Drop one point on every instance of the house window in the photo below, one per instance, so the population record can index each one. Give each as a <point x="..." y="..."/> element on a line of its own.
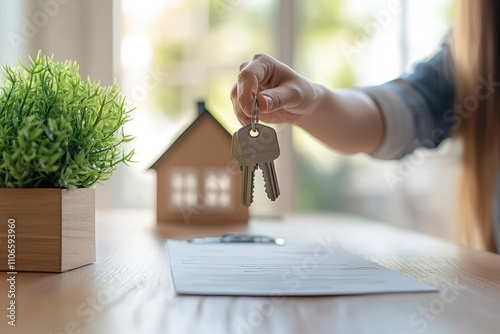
<point x="217" y="189"/>
<point x="184" y="188"/>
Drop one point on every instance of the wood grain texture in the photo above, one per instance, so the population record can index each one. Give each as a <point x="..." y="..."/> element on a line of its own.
<point x="129" y="289"/>
<point x="77" y="228"/>
<point x="38" y="228"/>
<point x="55" y="229"/>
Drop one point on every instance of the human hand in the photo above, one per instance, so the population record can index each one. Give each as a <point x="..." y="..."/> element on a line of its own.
<point x="283" y="95"/>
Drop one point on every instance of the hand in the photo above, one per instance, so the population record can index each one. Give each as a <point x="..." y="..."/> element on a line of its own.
<point x="283" y="95"/>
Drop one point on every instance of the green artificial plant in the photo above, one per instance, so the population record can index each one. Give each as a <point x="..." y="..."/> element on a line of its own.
<point x="57" y="130"/>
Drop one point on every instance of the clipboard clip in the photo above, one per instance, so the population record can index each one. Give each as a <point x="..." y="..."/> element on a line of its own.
<point x="240" y="238"/>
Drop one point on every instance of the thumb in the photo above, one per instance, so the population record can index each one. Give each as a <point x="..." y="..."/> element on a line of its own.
<point x="272" y="99"/>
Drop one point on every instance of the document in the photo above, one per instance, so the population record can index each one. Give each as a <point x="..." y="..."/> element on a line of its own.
<point x="295" y="269"/>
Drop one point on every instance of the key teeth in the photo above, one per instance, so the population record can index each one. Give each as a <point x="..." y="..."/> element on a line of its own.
<point x="267" y="189"/>
<point x="248" y="201"/>
<point x="253" y="187"/>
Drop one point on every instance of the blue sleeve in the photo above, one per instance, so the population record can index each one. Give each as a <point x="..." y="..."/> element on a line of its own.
<point x="414" y="106"/>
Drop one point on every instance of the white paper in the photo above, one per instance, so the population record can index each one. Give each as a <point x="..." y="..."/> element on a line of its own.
<point x="299" y="269"/>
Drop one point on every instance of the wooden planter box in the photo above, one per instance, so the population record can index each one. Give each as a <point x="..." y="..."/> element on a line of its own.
<point x="54" y="228"/>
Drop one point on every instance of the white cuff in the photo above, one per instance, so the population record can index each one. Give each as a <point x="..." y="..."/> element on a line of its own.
<point x="399" y="127"/>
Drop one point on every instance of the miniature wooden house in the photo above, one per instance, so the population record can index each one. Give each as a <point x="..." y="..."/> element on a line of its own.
<point x="197" y="180"/>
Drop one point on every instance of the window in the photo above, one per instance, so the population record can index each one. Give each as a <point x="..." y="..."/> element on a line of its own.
<point x="218" y="190"/>
<point x="361" y="43"/>
<point x="184" y="189"/>
<point x="174" y="53"/>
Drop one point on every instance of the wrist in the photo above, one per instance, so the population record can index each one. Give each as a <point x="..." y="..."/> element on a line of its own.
<point x="316" y="102"/>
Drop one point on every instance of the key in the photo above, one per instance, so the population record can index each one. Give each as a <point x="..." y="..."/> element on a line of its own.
<point x="261" y="146"/>
<point x="248" y="168"/>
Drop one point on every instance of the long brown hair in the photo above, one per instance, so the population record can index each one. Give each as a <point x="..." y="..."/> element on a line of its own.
<point x="476" y="57"/>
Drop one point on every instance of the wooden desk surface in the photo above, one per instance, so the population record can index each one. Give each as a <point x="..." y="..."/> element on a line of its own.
<point x="129" y="289"/>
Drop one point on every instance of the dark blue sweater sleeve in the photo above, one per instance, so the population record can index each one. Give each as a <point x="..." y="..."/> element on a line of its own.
<point x="414" y="106"/>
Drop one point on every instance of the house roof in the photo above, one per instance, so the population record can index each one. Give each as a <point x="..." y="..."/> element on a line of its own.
<point x="202" y="113"/>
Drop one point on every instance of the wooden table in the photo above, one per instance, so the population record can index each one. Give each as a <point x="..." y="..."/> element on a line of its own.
<point x="129" y="289"/>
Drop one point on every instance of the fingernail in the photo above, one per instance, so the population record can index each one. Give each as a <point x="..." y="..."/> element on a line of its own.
<point x="269" y="102"/>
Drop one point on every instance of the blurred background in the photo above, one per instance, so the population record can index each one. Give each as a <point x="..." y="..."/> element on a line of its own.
<point x="168" y="54"/>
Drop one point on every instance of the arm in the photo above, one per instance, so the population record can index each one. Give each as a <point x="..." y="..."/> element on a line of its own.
<point x="387" y="121"/>
<point x="348" y="121"/>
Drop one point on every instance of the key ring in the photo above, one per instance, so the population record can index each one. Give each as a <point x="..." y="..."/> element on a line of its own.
<point x="254" y="117"/>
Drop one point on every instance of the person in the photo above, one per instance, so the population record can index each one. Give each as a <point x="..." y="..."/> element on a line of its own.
<point x="454" y="94"/>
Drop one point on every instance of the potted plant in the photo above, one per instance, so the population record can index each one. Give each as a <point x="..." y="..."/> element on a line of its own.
<point x="59" y="135"/>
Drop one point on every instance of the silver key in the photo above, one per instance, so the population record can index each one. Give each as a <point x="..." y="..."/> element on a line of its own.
<point x="261" y="146"/>
<point x="248" y="168"/>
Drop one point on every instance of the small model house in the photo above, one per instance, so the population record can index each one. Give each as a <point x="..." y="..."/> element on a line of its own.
<point x="197" y="180"/>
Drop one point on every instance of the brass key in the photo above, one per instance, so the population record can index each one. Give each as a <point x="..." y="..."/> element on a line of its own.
<point x="247" y="167"/>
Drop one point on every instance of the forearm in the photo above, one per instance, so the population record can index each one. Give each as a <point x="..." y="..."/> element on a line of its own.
<point x="349" y="121"/>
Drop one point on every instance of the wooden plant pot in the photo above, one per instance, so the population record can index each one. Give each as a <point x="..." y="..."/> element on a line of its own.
<point x="54" y="228"/>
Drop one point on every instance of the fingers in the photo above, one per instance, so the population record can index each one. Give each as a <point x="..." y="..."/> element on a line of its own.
<point x="277" y="87"/>
<point x="253" y="74"/>
<point x="264" y="102"/>
<point x="242" y="66"/>
<point x="286" y="96"/>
